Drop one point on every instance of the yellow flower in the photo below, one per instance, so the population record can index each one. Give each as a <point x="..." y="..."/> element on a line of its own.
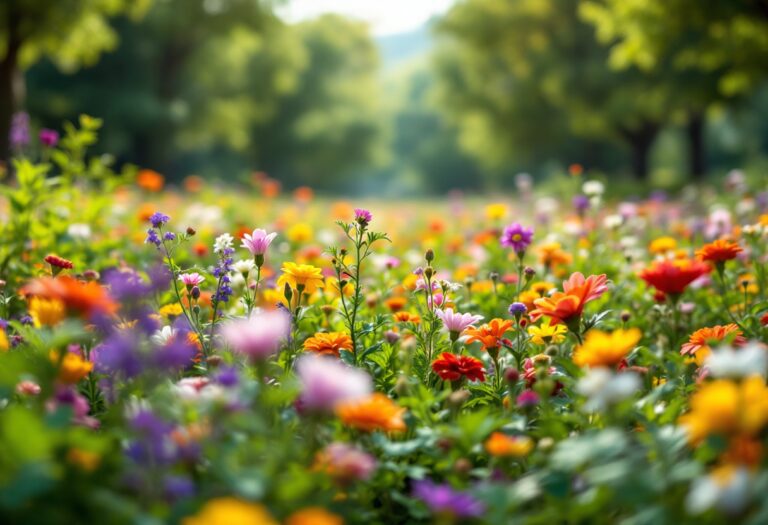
<point x="726" y="407"/>
<point x="606" y="349"/>
<point x="313" y="516"/>
<point x="306" y="276"/>
<point x="85" y="460"/>
<point x="496" y="211"/>
<point x="662" y="245"/>
<point x="299" y="232"/>
<point x="541" y="288"/>
<point x="46" y="312"/>
<point x="4" y="343"/>
<point x="547" y="333"/>
<point x="502" y="445"/>
<point x="171" y="310"/>
<point x="230" y="511"/>
<point x="72" y="368"/>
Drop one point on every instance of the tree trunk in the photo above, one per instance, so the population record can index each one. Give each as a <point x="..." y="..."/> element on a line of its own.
<point x="696" y="149"/>
<point x="11" y="84"/>
<point x="640" y="141"/>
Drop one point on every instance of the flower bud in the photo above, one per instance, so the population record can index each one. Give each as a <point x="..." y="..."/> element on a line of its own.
<point x="195" y="293"/>
<point x="512" y="375"/>
<point x="429" y="272"/>
<point x="429" y="255"/>
<point x="190" y="231"/>
<point x="625" y="316"/>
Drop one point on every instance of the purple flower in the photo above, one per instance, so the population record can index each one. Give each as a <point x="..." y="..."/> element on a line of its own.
<point x="258" y="241"/>
<point x="517" y="237"/>
<point x="258" y="336"/>
<point x="517" y="309"/>
<point x="363" y="217"/>
<point x="227" y="376"/>
<point x="157" y="219"/>
<point x="581" y="203"/>
<point x="19" y="136"/>
<point x="49" y="137"/>
<point x="327" y="382"/>
<point x="443" y="499"/>
<point x="118" y="354"/>
<point x="178" y="487"/>
<point x="528" y="398"/>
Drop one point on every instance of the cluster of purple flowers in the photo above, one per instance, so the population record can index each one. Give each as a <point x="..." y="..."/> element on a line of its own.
<point x="443" y="499"/>
<point x="157" y="220"/>
<point x="19" y="136"/>
<point x="221" y="272"/>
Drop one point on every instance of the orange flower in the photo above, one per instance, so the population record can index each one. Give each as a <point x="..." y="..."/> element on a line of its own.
<point x="552" y="254"/>
<point x="406" y="317"/>
<point x="395" y="304"/>
<point x="150" y="180"/>
<point x="84" y="298"/>
<point x="72" y="367"/>
<point x="303" y="194"/>
<point x="502" y="445"/>
<point x="673" y="277"/>
<point x="193" y="183"/>
<point x="490" y="334"/>
<point x="699" y="342"/>
<point x="329" y="343"/>
<point x="377" y="412"/>
<point x="719" y="251"/>
<point x="564" y="306"/>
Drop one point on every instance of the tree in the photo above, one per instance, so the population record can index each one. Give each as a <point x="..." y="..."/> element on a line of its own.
<point x="71" y="33"/>
<point x="528" y="78"/>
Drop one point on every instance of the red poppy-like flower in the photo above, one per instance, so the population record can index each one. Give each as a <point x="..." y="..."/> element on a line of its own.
<point x="58" y="262"/>
<point x="719" y="251"/>
<point x="451" y="367"/>
<point x="673" y="277"/>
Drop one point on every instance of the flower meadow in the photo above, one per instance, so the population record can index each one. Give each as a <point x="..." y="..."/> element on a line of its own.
<point x="212" y="355"/>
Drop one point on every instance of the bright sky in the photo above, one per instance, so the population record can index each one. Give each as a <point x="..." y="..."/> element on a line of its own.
<point x="385" y="16"/>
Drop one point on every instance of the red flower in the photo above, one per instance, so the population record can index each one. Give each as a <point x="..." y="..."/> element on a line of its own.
<point x="58" y="262"/>
<point x="719" y="251"/>
<point x="451" y="367"/>
<point x="672" y="277"/>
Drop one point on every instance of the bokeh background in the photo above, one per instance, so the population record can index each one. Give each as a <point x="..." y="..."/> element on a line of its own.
<point x="397" y="98"/>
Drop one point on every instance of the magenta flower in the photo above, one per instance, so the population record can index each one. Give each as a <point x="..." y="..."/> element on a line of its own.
<point x="191" y="279"/>
<point x="517" y="237"/>
<point x="455" y="322"/>
<point x="258" y="336"/>
<point x="48" y="137"/>
<point x="258" y="241"/>
<point x="445" y="500"/>
<point x="364" y="217"/>
<point x="327" y="382"/>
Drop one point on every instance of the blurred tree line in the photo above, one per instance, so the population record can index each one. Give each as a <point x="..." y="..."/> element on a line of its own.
<point x="220" y="88"/>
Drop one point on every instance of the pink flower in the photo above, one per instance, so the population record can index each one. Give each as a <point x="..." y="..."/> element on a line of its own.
<point x="27" y="388"/>
<point x="191" y="279"/>
<point x="258" y="242"/>
<point x="346" y="462"/>
<point x="327" y="382"/>
<point x="258" y="336"/>
<point x="455" y="322"/>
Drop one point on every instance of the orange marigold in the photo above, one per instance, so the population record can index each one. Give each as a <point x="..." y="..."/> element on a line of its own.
<point x="700" y="340"/>
<point x="376" y="412"/>
<point x="502" y="445"/>
<point x="150" y="180"/>
<point x="328" y="343"/>
<point x="719" y="251"/>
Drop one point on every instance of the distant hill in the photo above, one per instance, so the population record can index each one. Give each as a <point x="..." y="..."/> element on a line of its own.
<point x="400" y="48"/>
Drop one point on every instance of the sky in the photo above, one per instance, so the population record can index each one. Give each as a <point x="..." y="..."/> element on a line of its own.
<point x="385" y="16"/>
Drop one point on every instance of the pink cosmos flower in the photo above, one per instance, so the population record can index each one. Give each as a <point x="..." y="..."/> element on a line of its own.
<point x="258" y="241"/>
<point x="258" y="336"/>
<point x="455" y="322"/>
<point x="327" y="382"/>
<point x="191" y="279"/>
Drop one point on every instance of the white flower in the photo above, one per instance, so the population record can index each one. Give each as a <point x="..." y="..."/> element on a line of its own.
<point x="726" y="490"/>
<point x="593" y="188"/>
<point x="612" y="222"/>
<point x="79" y="231"/>
<point x="604" y="387"/>
<point x="162" y="336"/>
<point x="243" y="266"/>
<point x="735" y="363"/>
<point x="222" y="242"/>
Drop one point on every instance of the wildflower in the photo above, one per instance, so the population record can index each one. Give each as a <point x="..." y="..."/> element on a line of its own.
<point x="228" y="510"/>
<point x="170" y="310"/>
<point x="191" y="279"/>
<point x="726" y="407"/>
<point x="299" y="232"/>
<point x="502" y="445"/>
<point x="517" y="237"/>
<point x="547" y="333"/>
<point x="328" y="382"/>
<point x="606" y="349"/>
<point x="328" y="343"/>
<point x="58" y="263"/>
<point x="158" y="219"/>
<point x="604" y="387"/>
<point x="363" y="217"/>
<point x="313" y="516"/>
<point x="397" y="303"/>
<point x="345" y="463"/>
<point x="28" y="388"/>
<point x="673" y="277"/>
<point x="87" y="299"/>
<point x="738" y="363"/>
<point x="48" y="137"/>
<point x="444" y="500"/>
<point x="496" y="211"/>
<point x="150" y="180"/>
<point x="580" y="203"/>
<point x="258" y="336"/>
<point x="700" y="341"/>
<point x="726" y="488"/>
<point x="455" y="322"/>
<point x="451" y="367"/>
<point x="491" y="334"/>
<point x="527" y="398"/>
<point x="72" y="366"/>
<point x="46" y="312"/>
<point x="257" y="243"/>
<point x="662" y="245"/>
<point x="563" y="307"/>
<point x="376" y="412"/>
<point x="223" y="242"/>
<point x="19" y="135"/>
<point x="517" y="309"/>
<point x="719" y="251"/>
<point x="243" y="266"/>
<point x="304" y="278"/>
<point x="83" y="459"/>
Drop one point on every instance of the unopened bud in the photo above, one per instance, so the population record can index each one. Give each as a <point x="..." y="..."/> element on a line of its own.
<point x="190" y="231"/>
<point x="429" y="255"/>
<point x="625" y="316"/>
